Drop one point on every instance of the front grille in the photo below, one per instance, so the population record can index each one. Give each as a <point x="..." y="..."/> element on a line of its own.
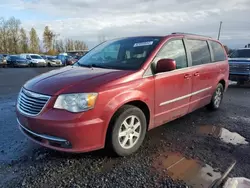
<point x="31" y="103"/>
<point x="239" y="68"/>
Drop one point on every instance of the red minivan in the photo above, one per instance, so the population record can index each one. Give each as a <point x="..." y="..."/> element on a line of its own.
<point x="121" y="89"/>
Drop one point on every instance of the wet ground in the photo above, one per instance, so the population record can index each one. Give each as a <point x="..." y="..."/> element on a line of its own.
<point x="191" y="151"/>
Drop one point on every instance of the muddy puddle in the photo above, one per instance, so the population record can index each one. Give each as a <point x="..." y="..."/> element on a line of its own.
<point x="223" y="134"/>
<point x="192" y="172"/>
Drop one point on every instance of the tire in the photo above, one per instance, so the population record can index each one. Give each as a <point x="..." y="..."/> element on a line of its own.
<point x="216" y="98"/>
<point x="121" y="139"/>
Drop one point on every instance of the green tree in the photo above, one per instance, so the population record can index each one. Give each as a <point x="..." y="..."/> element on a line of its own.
<point x="48" y="38"/>
<point x="34" y="41"/>
<point x="23" y="44"/>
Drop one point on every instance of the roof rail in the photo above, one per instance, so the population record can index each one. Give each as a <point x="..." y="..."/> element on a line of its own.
<point x="182" y="33"/>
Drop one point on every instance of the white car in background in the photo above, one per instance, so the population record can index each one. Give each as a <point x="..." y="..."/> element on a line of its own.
<point x="35" y="60"/>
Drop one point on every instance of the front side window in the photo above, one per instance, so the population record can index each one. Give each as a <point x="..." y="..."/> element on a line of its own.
<point x="218" y="51"/>
<point x="199" y="51"/>
<point x="122" y="54"/>
<point x="173" y="50"/>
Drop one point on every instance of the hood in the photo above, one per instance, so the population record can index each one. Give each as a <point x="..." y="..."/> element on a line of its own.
<point x="239" y="60"/>
<point x="72" y="79"/>
<point x="21" y="60"/>
<point x="38" y="60"/>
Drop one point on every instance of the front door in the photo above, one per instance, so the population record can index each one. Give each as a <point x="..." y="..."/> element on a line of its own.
<point x="173" y="88"/>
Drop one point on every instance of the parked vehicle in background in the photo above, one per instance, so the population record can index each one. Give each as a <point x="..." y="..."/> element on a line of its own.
<point x="52" y="61"/>
<point x="3" y="62"/>
<point x="66" y="59"/>
<point x="121" y="89"/>
<point x="77" y="57"/>
<point x="35" y="60"/>
<point x="70" y="60"/>
<point x="78" y="53"/>
<point x="62" y="58"/>
<point x="17" y="61"/>
<point x="239" y="63"/>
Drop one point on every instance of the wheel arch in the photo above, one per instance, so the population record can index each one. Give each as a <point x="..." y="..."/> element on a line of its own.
<point x="223" y="82"/>
<point x="137" y="103"/>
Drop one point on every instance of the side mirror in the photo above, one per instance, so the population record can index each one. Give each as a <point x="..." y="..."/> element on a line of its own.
<point x="164" y="65"/>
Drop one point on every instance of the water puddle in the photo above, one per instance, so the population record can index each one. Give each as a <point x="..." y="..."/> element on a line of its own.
<point x="193" y="172"/>
<point x="223" y="134"/>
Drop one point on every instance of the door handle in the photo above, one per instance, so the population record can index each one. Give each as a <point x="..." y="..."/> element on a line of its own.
<point x="197" y="74"/>
<point x="187" y="76"/>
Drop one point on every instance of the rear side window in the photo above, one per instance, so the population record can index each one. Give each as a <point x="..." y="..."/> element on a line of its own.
<point x="218" y="51"/>
<point x="199" y="51"/>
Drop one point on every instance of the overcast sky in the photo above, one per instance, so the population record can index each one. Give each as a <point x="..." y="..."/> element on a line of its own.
<point x="89" y="19"/>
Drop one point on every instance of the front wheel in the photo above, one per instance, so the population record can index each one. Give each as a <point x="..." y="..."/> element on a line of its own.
<point x="216" y="98"/>
<point x="128" y="130"/>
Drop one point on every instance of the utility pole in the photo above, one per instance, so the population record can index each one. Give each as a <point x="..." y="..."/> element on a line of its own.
<point x="219" y="30"/>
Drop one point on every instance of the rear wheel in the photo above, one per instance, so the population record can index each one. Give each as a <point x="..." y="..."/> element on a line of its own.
<point x="216" y="98"/>
<point x="128" y="129"/>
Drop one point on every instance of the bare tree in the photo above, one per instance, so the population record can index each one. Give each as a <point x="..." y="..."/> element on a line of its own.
<point x="14" y="39"/>
<point x="14" y="28"/>
<point x="4" y="33"/>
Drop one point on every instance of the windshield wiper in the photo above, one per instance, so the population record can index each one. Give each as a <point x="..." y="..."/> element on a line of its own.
<point x="82" y="65"/>
<point x="98" y="66"/>
<point x="91" y="65"/>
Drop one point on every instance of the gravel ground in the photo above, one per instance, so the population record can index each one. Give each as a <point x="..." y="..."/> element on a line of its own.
<point x="24" y="164"/>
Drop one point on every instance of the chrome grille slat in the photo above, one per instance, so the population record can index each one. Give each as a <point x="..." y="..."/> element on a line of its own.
<point x="29" y="106"/>
<point x="28" y="111"/>
<point x="239" y="68"/>
<point x="31" y="103"/>
<point x="33" y="99"/>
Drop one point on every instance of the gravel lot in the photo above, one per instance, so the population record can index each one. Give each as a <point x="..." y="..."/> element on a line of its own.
<point x="173" y="155"/>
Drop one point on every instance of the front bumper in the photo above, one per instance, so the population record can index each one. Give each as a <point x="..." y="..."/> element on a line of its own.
<point x="63" y="131"/>
<point x="55" y="64"/>
<point x="239" y="77"/>
<point x="39" y="64"/>
<point x="21" y="65"/>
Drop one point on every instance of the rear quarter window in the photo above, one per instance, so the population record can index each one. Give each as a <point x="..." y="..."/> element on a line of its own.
<point x="199" y="50"/>
<point x="218" y="51"/>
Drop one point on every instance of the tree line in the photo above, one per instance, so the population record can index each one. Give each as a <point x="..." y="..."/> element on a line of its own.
<point x="15" y="39"/>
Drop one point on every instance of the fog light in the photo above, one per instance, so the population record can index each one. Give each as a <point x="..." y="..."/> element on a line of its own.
<point x="67" y="143"/>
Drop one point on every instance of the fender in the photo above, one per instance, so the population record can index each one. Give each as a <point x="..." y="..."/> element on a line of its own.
<point x="125" y="97"/>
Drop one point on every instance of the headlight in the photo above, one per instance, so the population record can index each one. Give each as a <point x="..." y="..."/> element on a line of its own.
<point x="76" y="102"/>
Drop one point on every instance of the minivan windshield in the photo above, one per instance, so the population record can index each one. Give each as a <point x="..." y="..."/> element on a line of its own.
<point x="123" y="54"/>
<point x="35" y="57"/>
<point x="241" y="53"/>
